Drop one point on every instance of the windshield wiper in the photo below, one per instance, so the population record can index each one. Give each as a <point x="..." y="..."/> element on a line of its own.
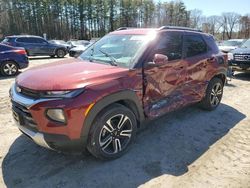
<point x="113" y="61"/>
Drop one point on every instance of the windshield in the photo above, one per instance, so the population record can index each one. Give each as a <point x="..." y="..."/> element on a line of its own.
<point x="246" y="44"/>
<point x="230" y="43"/>
<point x="115" y="49"/>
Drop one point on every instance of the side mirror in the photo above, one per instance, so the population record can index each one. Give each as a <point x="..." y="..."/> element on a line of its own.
<point x="158" y="60"/>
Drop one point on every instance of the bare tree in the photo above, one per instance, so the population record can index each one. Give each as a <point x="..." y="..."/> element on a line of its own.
<point x="245" y="26"/>
<point x="196" y="18"/>
<point x="230" y="20"/>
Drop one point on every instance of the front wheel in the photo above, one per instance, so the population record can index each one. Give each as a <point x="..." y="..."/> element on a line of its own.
<point x="213" y="95"/>
<point x="112" y="132"/>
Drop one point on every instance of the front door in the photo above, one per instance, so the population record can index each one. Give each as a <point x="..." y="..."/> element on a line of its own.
<point x="163" y="84"/>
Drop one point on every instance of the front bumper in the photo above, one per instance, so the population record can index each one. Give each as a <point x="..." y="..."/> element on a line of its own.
<point x="243" y="66"/>
<point x="30" y="118"/>
<point x="37" y="137"/>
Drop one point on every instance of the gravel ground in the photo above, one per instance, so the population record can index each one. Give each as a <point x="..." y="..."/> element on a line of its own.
<point x="187" y="148"/>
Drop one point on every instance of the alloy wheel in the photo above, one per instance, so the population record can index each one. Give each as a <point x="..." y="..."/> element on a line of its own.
<point x="216" y="94"/>
<point x="115" y="134"/>
<point x="60" y="53"/>
<point x="10" y="69"/>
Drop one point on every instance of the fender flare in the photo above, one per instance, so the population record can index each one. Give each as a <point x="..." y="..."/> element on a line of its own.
<point x="128" y="95"/>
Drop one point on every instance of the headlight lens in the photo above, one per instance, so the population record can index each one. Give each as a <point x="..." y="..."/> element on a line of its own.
<point x="56" y="114"/>
<point x="62" y="94"/>
<point x="230" y="56"/>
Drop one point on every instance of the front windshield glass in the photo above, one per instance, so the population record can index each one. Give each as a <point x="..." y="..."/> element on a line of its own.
<point x="117" y="50"/>
<point x="230" y="43"/>
<point x="246" y="44"/>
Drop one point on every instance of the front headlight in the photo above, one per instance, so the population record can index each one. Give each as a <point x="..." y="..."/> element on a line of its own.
<point x="62" y="94"/>
<point x="230" y="56"/>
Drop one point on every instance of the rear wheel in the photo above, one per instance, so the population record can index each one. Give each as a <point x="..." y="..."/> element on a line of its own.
<point x="9" y="68"/>
<point x="112" y="132"/>
<point x="60" y="53"/>
<point x="214" y="94"/>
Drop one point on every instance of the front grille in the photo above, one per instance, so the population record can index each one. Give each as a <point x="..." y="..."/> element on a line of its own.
<point x="22" y="115"/>
<point x="28" y="92"/>
<point x="242" y="57"/>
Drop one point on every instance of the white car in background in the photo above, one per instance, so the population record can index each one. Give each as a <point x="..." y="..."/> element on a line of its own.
<point x="76" y="43"/>
<point x="76" y="51"/>
<point x="228" y="45"/>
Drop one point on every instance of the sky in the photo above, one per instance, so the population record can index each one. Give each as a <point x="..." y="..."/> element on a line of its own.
<point x="216" y="7"/>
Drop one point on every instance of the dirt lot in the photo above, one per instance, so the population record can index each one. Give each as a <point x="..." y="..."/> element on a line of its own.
<point x="188" y="148"/>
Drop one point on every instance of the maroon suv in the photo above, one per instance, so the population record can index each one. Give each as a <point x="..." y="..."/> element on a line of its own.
<point x="101" y="99"/>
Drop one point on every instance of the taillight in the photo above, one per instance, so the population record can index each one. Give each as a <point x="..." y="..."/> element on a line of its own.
<point x="22" y="52"/>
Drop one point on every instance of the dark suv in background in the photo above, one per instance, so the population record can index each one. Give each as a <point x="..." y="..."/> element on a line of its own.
<point x="36" y="46"/>
<point x="239" y="58"/>
<point x="99" y="100"/>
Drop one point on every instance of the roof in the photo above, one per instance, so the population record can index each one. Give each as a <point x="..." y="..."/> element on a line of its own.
<point x="145" y="31"/>
<point x="17" y="36"/>
<point x="134" y="31"/>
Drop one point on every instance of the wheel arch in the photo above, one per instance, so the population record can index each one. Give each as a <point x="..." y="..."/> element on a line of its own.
<point x="221" y="76"/>
<point x="127" y="98"/>
<point x="10" y="60"/>
<point x="60" y="48"/>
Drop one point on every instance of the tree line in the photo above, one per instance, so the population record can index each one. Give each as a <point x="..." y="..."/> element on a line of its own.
<point x="86" y="19"/>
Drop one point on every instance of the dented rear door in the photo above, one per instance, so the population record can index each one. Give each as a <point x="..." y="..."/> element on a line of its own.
<point x="164" y="84"/>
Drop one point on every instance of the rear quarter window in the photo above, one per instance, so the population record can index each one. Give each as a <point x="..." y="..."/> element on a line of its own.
<point x="210" y="40"/>
<point x="6" y="40"/>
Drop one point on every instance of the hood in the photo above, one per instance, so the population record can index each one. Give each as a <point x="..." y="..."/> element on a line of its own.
<point x="67" y="75"/>
<point x="227" y="48"/>
<point x="78" y="48"/>
<point x="241" y="51"/>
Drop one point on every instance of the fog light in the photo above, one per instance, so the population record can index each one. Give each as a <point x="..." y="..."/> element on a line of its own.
<point x="56" y="115"/>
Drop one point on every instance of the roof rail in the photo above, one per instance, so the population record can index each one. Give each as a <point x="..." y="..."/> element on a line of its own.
<point x="125" y="28"/>
<point x="179" y="28"/>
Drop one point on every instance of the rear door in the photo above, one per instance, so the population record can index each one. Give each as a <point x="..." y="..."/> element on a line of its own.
<point x="197" y="59"/>
<point x="163" y="90"/>
<point x="28" y="43"/>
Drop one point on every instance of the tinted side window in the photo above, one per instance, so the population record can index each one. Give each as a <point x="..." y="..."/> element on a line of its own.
<point x="170" y="44"/>
<point x="21" y="39"/>
<point x="195" y="45"/>
<point x="38" y="40"/>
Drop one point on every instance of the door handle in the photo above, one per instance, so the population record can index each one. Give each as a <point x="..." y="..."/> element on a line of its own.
<point x="211" y="59"/>
<point x="179" y="68"/>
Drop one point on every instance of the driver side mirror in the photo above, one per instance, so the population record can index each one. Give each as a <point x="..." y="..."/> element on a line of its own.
<point x="158" y="60"/>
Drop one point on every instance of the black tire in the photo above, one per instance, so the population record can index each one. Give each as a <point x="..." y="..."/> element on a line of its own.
<point x="9" y="68"/>
<point x="105" y="143"/>
<point x="60" y="53"/>
<point x="213" y="95"/>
